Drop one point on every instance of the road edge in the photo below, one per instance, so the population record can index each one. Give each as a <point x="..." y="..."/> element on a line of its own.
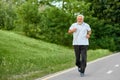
<point x="67" y="70"/>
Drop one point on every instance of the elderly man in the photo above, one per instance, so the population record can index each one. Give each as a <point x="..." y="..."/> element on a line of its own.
<point x="81" y="34"/>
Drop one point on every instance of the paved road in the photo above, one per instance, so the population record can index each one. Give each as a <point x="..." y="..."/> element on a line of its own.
<point x="107" y="68"/>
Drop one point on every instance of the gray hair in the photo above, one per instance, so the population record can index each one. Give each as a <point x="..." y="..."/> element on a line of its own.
<point x="80" y="15"/>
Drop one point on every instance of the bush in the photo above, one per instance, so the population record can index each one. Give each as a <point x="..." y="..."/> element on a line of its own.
<point x="54" y="26"/>
<point x="107" y="43"/>
<point x="103" y="35"/>
<point x="117" y="42"/>
<point x="7" y="16"/>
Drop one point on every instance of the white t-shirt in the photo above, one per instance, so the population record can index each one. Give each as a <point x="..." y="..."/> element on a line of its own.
<point x="79" y="36"/>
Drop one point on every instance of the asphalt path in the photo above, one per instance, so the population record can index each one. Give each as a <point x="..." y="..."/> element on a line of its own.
<point x="106" y="68"/>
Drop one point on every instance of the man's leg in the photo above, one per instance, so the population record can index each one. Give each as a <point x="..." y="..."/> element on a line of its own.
<point x="83" y="57"/>
<point x="77" y="55"/>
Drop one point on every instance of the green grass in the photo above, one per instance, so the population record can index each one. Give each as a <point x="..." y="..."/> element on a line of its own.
<point x="23" y="58"/>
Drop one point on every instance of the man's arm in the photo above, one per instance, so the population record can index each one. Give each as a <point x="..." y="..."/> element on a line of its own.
<point x="88" y="34"/>
<point x="72" y="30"/>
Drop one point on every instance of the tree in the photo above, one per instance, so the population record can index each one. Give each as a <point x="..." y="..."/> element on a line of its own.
<point x="7" y="15"/>
<point x="107" y="10"/>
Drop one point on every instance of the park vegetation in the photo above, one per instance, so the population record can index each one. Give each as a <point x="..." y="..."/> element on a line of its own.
<point x="33" y="34"/>
<point x="24" y="58"/>
<point x="49" y="20"/>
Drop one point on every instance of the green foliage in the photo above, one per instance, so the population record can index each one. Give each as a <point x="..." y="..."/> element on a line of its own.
<point x="24" y="58"/>
<point x="103" y="35"/>
<point x="32" y="30"/>
<point x="29" y="12"/>
<point x="107" y="43"/>
<point x="55" y="23"/>
<point x="107" y="10"/>
<point x="7" y="16"/>
<point x="30" y="55"/>
<point x="29" y="18"/>
<point x="43" y="20"/>
<point x="76" y="7"/>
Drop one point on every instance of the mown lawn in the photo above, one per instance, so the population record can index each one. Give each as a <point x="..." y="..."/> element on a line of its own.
<point x="23" y="58"/>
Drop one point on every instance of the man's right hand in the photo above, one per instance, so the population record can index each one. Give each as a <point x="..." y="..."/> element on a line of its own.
<point x="72" y="30"/>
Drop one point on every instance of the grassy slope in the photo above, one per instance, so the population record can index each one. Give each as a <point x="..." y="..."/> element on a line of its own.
<point x="26" y="58"/>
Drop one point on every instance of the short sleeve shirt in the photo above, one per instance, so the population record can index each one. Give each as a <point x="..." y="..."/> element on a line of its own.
<point x="79" y="36"/>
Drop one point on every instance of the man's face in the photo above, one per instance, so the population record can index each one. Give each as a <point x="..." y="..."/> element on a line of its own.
<point x="79" y="19"/>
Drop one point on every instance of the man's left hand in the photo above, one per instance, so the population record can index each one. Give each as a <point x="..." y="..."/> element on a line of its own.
<point x="88" y="36"/>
